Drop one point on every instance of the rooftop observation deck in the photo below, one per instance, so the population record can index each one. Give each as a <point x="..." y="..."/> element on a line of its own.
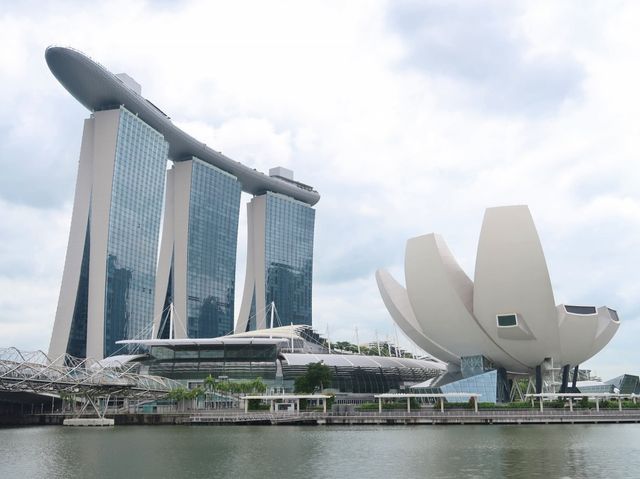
<point x="97" y="89"/>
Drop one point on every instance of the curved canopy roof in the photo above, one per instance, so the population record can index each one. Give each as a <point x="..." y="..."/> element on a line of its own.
<point x="98" y="89"/>
<point x="201" y="342"/>
<point x="356" y="360"/>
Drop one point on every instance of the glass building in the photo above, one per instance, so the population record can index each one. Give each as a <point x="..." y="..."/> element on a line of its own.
<point x="289" y="258"/>
<point x="477" y="375"/>
<point x="197" y="263"/>
<point x="491" y="386"/>
<point x="279" y="356"/>
<point x="110" y="271"/>
<point x="279" y="262"/>
<point x="134" y="227"/>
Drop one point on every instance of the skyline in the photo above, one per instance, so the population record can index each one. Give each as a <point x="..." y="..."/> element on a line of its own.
<point x="551" y="123"/>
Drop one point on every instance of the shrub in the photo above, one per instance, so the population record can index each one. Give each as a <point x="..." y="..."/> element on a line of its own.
<point x="373" y="406"/>
<point x="257" y="405"/>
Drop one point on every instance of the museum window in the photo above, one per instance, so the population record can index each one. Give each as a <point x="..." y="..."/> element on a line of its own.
<point x="507" y="320"/>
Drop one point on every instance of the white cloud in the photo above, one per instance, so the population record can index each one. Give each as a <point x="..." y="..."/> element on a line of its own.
<point x="251" y="141"/>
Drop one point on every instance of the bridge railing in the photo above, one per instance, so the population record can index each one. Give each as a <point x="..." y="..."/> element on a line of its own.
<point x="34" y="371"/>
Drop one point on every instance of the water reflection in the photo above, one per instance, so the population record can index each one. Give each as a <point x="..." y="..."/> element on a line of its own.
<point x="574" y="451"/>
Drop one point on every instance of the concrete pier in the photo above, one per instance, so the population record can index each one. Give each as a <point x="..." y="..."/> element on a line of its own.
<point x="88" y="422"/>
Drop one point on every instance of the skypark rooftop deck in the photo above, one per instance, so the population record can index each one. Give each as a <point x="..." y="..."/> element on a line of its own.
<point x="98" y="89"/>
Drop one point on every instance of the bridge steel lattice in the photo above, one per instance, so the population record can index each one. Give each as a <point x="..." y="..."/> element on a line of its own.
<point x="35" y="372"/>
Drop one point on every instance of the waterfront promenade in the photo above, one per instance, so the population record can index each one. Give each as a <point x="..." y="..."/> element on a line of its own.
<point x="393" y="417"/>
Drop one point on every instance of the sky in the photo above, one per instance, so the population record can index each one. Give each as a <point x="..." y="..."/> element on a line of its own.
<point x="407" y="117"/>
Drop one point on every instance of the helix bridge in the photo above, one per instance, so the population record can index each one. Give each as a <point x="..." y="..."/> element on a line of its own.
<point x="66" y="376"/>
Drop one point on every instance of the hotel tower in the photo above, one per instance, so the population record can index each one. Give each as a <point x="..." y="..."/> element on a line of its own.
<point x="154" y="228"/>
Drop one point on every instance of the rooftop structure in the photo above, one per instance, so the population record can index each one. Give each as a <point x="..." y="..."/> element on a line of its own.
<point x="98" y="89"/>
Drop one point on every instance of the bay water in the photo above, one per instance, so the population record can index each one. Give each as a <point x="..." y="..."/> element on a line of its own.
<point x="247" y="452"/>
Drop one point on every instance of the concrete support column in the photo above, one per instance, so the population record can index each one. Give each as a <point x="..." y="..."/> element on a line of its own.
<point x="408" y="404"/>
<point x="565" y="378"/>
<point x="380" y="405"/>
<point x="441" y="404"/>
<point x="597" y="404"/>
<point x="575" y="375"/>
<point x="541" y="404"/>
<point x="324" y="405"/>
<point x="619" y="403"/>
<point x="475" y="404"/>
<point x="246" y="406"/>
<point x="571" y="404"/>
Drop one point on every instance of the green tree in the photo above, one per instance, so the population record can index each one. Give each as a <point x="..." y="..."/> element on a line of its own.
<point x="195" y="393"/>
<point x="177" y="394"/>
<point x="317" y="376"/>
<point x="345" y="346"/>
<point x="238" y="387"/>
<point x="209" y="383"/>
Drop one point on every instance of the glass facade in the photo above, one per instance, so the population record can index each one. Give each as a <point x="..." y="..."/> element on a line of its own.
<point x="241" y="361"/>
<point x="363" y="380"/>
<point x="211" y="259"/>
<point x="580" y="309"/>
<point x="134" y="224"/>
<point x="596" y="388"/>
<point x="626" y="384"/>
<point x="474" y="365"/>
<point x="165" y="321"/>
<point x="484" y="384"/>
<point x="507" y="320"/>
<point x="77" y="345"/>
<point x="235" y="361"/>
<point x="289" y="258"/>
<point x="492" y="386"/>
<point x="614" y="314"/>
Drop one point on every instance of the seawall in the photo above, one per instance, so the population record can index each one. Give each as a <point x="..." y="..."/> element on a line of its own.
<point x="450" y="417"/>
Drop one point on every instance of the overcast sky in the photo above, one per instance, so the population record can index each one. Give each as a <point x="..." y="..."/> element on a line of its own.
<point x="407" y="117"/>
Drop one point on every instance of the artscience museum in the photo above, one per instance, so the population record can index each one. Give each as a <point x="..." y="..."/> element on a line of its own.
<point x="503" y="325"/>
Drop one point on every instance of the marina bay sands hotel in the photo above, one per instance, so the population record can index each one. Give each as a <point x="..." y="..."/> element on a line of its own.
<point x="136" y="269"/>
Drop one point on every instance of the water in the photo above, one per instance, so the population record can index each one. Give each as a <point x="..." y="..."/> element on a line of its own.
<point x="246" y="452"/>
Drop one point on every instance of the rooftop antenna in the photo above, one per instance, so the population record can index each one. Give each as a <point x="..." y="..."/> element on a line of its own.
<point x="273" y="306"/>
<point x="291" y="334"/>
<point x="175" y="317"/>
<point x="328" y="338"/>
<point x="171" y="326"/>
<point x="357" y="340"/>
<point x="153" y="329"/>
<point x="389" y="346"/>
<point x="378" y="343"/>
<point x="395" y="330"/>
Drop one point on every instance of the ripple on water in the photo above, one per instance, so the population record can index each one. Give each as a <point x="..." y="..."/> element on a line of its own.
<point x="247" y="452"/>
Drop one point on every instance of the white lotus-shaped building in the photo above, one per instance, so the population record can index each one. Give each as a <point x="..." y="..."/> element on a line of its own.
<point x="507" y="314"/>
